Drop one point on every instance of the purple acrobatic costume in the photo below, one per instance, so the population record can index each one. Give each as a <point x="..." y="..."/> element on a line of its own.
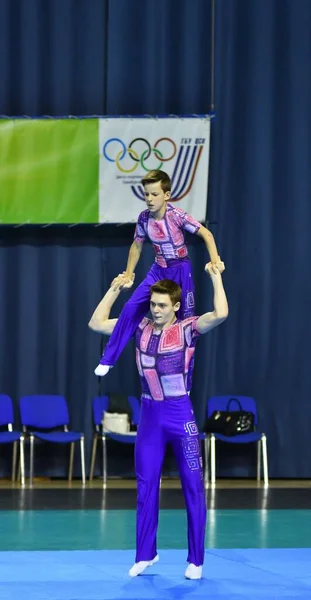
<point x="171" y="262"/>
<point x="165" y="362"/>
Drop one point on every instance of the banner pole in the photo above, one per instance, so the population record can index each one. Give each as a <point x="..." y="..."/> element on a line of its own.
<point x="212" y="97"/>
<point x="106" y="34"/>
<point x="212" y="61"/>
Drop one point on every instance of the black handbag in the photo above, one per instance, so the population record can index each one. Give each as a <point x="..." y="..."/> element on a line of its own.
<point x="230" y="422"/>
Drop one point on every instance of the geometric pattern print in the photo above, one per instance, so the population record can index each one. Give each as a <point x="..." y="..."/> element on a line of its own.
<point x="165" y="360"/>
<point x="191" y="428"/>
<point x="145" y="336"/>
<point x="173" y="385"/>
<point x="189" y="355"/>
<point x="190" y="300"/>
<point x="175" y="229"/>
<point x="172" y="339"/>
<point x="166" y="234"/>
<point x="157" y="231"/>
<point x="191" y="332"/>
<point x="138" y="363"/>
<point x="154" y="384"/>
<point x="143" y="323"/>
<point x="190" y="224"/>
<point x="191" y="447"/>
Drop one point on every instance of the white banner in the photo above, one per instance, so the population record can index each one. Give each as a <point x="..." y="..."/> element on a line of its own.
<point x="130" y="147"/>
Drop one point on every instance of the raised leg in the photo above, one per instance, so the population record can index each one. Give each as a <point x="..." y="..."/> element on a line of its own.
<point x="132" y="314"/>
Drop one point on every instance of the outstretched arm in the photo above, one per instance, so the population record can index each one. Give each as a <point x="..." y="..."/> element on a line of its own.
<point x="210" y="244"/>
<point x="133" y="258"/>
<point x="100" y="321"/>
<point x="210" y="320"/>
<point x="128" y="276"/>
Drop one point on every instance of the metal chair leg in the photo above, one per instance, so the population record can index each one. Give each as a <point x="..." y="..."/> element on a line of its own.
<point x="19" y="469"/>
<point x="82" y="459"/>
<point x="93" y="458"/>
<point x="206" y="458"/>
<point x="104" y="459"/>
<point x="213" y="459"/>
<point x="22" y="460"/>
<point x="265" y="460"/>
<point x="32" y="440"/>
<point x="71" y="457"/>
<point x="14" y="461"/>
<point x="258" y="460"/>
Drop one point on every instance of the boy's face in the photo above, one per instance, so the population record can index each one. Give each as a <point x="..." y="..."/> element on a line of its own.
<point x="155" y="197"/>
<point x="162" y="309"/>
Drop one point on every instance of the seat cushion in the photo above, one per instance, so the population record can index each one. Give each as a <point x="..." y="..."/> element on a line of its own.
<point x="7" y="437"/>
<point x="58" y="437"/>
<point x="244" y="438"/>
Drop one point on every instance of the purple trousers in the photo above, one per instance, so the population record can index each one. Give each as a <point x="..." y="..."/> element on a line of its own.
<point x="138" y="305"/>
<point x="170" y="421"/>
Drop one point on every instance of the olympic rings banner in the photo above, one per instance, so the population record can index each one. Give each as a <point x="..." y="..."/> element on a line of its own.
<point x="88" y="170"/>
<point x="129" y="148"/>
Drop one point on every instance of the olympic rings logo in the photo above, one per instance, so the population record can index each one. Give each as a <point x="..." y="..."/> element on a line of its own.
<point x="135" y="157"/>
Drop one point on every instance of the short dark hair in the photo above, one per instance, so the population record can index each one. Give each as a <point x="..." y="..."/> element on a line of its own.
<point x="155" y="176"/>
<point x="167" y="286"/>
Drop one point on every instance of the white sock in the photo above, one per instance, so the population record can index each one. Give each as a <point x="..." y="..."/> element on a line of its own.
<point x="142" y="565"/>
<point x="193" y="572"/>
<point x="102" y="370"/>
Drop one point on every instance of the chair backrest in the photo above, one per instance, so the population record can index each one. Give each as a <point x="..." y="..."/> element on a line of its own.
<point x="6" y="410"/>
<point x="222" y="403"/>
<point x="101" y="404"/>
<point x="44" y="411"/>
<point x="135" y="406"/>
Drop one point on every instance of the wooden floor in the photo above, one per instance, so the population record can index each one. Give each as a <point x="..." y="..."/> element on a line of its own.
<point x="167" y="483"/>
<point x="121" y="495"/>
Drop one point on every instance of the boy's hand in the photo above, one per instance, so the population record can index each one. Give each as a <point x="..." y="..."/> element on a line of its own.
<point x="123" y="281"/>
<point x="216" y="266"/>
<point x="128" y="280"/>
<point x="215" y="270"/>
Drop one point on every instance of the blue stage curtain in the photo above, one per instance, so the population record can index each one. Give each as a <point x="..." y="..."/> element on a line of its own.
<point x="78" y="57"/>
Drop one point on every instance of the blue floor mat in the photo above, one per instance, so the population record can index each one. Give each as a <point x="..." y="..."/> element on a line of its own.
<point x="266" y="574"/>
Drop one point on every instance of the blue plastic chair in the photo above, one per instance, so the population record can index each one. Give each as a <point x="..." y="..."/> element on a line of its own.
<point x="10" y="436"/>
<point x="46" y="413"/>
<point x="220" y="403"/>
<point x="100" y="406"/>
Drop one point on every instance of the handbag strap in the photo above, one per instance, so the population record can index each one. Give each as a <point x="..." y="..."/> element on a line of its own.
<point x="237" y="402"/>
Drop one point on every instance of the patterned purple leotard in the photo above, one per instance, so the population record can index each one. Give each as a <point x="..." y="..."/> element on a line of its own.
<point x="165" y="359"/>
<point x="171" y="262"/>
<point x="166" y="234"/>
<point x="165" y="362"/>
